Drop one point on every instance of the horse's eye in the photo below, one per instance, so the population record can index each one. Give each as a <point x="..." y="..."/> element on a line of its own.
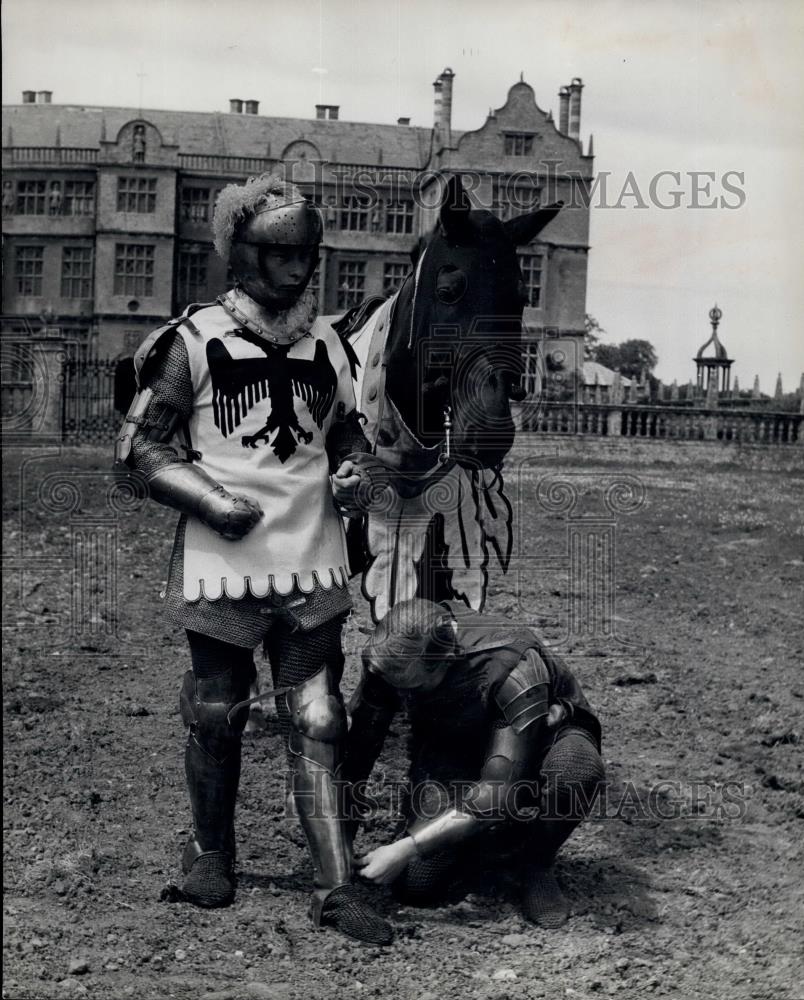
<point x="450" y="284"/>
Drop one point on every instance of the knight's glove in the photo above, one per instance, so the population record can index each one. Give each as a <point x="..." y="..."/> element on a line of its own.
<point x="187" y="488"/>
<point x="231" y="515"/>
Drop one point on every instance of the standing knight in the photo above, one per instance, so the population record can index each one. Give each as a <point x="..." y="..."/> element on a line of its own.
<point x="256" y="396"/>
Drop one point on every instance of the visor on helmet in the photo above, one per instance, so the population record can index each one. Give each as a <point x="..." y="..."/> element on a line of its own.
<point x="295" y="224"/>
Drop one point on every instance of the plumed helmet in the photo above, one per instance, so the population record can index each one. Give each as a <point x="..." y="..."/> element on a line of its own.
<point x="264" y="210"/>
<point x="292" y="223"/>
<point x="410" y="642"/>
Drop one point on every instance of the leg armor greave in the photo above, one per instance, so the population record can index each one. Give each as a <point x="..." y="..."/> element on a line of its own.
<point x="317" y="734"/>
<point x="212" y="757"/>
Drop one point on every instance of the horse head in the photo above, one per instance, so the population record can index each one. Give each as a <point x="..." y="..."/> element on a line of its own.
<point x="455" y="347"/>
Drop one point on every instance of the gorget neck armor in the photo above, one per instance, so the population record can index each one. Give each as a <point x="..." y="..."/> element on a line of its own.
<point x="279" y="329"/>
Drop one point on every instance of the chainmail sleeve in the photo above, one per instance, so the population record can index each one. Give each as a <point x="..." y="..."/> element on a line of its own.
<point x="171" y="383"/>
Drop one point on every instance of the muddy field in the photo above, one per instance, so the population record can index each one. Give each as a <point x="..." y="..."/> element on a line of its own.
<point x="689" y="886"/>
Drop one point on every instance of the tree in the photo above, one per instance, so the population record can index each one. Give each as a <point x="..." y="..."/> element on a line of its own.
<point x="593" y="331"/>
<point x="631" y="357"/>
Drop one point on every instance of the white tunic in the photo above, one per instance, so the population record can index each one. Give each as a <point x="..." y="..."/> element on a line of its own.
<point x="300" y="539"/>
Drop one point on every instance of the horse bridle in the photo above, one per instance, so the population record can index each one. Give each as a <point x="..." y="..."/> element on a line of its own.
<point x="446" y="452"/>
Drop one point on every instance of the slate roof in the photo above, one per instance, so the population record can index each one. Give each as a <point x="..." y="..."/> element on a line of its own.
<point x="218" y="133"/>
<point x="595" y="373"/>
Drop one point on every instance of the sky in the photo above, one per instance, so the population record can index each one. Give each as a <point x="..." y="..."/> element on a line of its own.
<point x="712" y="86"/>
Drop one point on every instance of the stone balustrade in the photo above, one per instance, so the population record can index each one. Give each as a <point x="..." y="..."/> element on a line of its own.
<point x="49" y="155"/>
<point x="240" y="166"/>
<point x="679" y="423"/>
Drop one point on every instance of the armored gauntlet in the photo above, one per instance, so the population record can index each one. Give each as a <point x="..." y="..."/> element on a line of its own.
<point x="190" y="490"/>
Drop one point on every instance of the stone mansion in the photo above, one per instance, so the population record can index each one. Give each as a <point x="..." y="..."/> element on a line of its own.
<point x="106" y="211"/>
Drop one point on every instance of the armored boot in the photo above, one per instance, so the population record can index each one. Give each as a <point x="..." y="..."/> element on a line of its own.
<point x="318" y="729"/>
<point x="212" y="768"/>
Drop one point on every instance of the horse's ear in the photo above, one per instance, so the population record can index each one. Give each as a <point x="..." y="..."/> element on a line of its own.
<point x="455" y="207"/>
<point x="523" y="228"/>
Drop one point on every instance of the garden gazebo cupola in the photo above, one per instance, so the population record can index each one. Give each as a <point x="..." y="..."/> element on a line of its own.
<point x="714" y="365"/>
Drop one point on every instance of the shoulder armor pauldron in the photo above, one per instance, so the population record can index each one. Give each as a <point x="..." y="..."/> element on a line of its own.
<point x="523" y="696"/>
<point x="147" y="352"/>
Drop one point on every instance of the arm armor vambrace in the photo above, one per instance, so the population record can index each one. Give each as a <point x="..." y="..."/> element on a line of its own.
<point x="449" y="828"/>
<point x="175" y="484"/>
<point x="493" y="798"/>
<point x="488" y="801"/>
<point x="185" y="488"/>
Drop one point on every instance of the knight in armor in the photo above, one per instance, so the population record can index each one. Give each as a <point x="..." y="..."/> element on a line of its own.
<point x="505" y="751"/>
<point x="244" y="413"/>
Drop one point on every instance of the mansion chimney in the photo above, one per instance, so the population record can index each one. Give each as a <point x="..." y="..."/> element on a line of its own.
<point x="575" y="89"/>
<point x="327" y="112"/>
<point x="563" y="110"/>
<point x="252" y="107"/>
<point x="235" y="106"/>
<point x="29" y="97"/>
<point x="442" y="122"/>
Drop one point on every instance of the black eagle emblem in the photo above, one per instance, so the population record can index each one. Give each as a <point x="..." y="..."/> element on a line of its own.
<point x="239" y="384"/>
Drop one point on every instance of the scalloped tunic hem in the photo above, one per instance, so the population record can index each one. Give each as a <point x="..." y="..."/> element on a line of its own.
<point x="245" y="621"/>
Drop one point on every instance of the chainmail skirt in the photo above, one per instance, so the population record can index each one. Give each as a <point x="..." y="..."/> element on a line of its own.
<point x="245" y="622"/>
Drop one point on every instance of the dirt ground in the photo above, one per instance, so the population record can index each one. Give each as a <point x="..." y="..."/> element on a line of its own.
<point x="687" y="884"/>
